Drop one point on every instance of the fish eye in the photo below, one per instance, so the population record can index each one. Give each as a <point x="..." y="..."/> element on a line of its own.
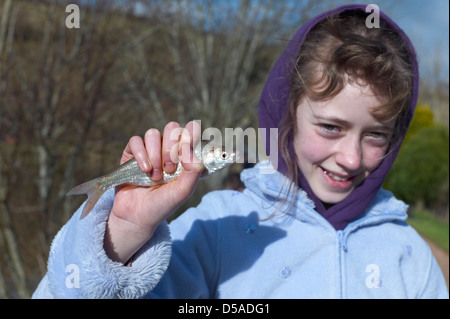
<point x="224" y="155"/>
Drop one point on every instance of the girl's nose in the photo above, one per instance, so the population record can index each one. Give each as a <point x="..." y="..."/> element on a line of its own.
<point x="349" y="154"/>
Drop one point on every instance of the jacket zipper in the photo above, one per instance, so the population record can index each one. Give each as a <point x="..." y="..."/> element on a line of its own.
<point x="342" y="250"/>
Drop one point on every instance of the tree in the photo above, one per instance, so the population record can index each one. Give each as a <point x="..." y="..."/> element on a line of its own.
<point x="420" y="174"/>
<point x="216" y="52"/>
<point x="56" y="88"/>
<point x="423" y="118"/>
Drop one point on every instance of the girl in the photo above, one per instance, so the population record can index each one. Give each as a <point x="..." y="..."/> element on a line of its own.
<point x="342" y="96"/>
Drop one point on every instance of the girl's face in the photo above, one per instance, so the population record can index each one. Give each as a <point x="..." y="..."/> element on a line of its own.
<point x="339" y="143"/>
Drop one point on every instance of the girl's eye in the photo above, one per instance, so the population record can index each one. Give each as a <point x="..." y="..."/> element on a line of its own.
<point x="329" y="128"/>
<point x="378" y="138"/>
<point x="376" y="135"/>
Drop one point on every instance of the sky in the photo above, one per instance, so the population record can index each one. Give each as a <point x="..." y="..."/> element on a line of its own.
<point x="426" y="22"/>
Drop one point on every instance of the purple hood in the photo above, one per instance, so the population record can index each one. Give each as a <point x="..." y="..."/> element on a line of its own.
<point x="274" y="103"/>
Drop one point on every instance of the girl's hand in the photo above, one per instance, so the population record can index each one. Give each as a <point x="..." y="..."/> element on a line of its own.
<point x="137" y="211"/>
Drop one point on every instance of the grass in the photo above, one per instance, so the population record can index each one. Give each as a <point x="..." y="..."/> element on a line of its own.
<point x="431" y="227"/>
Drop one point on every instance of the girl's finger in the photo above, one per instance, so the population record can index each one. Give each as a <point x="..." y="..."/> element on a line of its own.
<point x="152" y="140"/>
<point x="171" y="136"/>
<point x="189" y="138"/>
<point x="136" y="148"/>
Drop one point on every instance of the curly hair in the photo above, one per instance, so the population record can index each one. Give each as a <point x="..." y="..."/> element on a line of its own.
<point x="342" y="47"/>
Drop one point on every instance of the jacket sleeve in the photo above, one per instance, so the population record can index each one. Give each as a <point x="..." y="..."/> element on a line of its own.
<point x="434" y="286"/>
<point x="78" y="266"/>
<point x="196" y="253"/>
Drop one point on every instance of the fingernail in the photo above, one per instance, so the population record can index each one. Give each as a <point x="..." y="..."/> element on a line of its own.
<point x="145" y="166"/>
<point x="156" y="174"/>
<point x="169" y="167"/>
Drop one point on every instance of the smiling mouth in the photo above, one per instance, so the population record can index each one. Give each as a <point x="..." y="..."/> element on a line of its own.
<point x="336" y="177"/>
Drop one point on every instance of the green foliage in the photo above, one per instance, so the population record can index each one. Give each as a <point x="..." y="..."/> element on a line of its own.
<point x="421" y="171"/>
<point x="423" y="117"/>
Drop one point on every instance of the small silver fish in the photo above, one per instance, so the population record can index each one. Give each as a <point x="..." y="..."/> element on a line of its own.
<point x="212" y="157"/>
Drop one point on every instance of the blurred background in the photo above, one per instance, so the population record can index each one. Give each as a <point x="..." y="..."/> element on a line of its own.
<point x="70" y="98"/>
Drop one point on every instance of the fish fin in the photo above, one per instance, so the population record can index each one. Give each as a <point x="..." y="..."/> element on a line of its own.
<point x="92" y="190"/>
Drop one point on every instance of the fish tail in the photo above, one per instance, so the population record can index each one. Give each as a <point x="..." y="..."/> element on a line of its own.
<point x="92" y="190"/>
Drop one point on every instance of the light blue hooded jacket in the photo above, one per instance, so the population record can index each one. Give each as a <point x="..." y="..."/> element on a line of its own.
<point x="224" y="248"/>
